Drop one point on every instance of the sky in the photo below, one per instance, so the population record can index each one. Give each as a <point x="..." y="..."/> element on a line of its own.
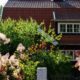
<point x="3" y="2"/>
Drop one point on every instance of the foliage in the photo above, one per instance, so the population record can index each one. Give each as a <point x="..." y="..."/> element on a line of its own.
<point x="29" y="69"/>
<point x="56" y="62"/>
<point x="20" y="31"/>
<point x="40" y="49"/>
<point x="9" y="65"/>
<point x="48" y="35"/>
<point x="17" y="66"/>
<point x="26" y="32"/>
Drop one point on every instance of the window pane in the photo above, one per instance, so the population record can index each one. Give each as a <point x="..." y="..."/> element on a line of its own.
<point x="69" y="53"/>
<point x="62" y="28"/>
<point x="76" y="28"/>
<point x="69" y="28"/>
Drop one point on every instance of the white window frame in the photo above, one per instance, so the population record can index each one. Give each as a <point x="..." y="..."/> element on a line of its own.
<point x="66" y="27"/>
<point x="73" y="56"/>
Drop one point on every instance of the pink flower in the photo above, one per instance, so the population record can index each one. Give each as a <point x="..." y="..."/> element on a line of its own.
<point x="7" y="40"/>
<point x="4" y="63"/>
<point x="2" y="36"/>
<point x="22" y="56"/>
<point x="16" y="72"/>
<point x="20" y="48"/>
<point x="77" y="65"/>
<point x="5" y="58"/>
<point x="13" y="61"/>
<point x="4" y="39"/>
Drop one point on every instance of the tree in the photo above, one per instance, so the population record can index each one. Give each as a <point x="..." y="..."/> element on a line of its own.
<point x="26" y="32"/>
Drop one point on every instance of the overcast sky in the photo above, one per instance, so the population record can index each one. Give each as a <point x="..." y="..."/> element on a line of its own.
<point x="3" y="2"/>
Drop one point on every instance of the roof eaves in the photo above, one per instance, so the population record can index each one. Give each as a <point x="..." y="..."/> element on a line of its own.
<point x="70" y="44"/>
<point x="67" y="20"/>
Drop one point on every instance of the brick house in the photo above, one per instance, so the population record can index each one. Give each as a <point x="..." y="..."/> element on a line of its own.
<point x="64" y="15"/>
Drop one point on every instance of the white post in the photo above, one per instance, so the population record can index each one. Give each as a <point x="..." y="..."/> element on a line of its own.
<point x="41" y="73"/>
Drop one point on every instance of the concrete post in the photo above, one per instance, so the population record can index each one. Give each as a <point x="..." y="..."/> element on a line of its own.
<point x="41" y="73"/>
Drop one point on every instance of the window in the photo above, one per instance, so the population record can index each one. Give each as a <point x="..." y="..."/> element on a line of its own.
<point x="68" y="27"/>
<point x="71" y="53"/>
<point x="76" y="28"/>
<point x="62" y="28"/>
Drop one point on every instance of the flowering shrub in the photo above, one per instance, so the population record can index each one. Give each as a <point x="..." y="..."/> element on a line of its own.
<point x="27" y="32"/>
<point x="4" y="39"/>
<point x="21" y="31"/>
<point x="77" y="64"/>
<point x="16" y="66"/>
<point x="26" y="64"/>
<point x="40" y="49"/>
<point x="56" y="62"/>
<point x="9" y="67"/>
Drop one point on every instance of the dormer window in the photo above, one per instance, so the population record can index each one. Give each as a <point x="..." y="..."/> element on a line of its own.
<point x="68" y="28"/>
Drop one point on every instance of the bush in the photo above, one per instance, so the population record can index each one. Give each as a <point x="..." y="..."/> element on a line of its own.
<point x="41" y="49"/>
<point x="29" y="69"/>
<point x="19" y="32"/>
<point x="17" y="66"/>
<point x="55" y="61"/>
<point x="27" y="32"/>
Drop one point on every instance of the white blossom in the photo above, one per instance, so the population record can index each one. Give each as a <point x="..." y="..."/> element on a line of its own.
<point x="20" y="48"/>
<point x="13" y="61"/>
<point x="16" y="73"/>
<point x="4" y="39"/>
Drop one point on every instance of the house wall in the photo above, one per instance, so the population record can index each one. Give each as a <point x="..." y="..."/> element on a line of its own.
<point x="69" y="41"/>
<point x="69" y="10"/>
<point x="25" y="13"/>
<point x="71" y="38"/>
<point x="39" y="14"/>
<point x="45" y="14"/>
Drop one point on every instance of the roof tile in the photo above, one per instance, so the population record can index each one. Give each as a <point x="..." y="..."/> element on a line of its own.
<point x="44" y="4"/>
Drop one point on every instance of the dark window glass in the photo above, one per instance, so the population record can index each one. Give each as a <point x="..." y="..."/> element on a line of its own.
<point x="76" y="28"/>
<point x="62" y="28"/>
<point x="69" y="28"/>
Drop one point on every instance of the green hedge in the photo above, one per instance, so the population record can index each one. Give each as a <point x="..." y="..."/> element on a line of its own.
<point x="20" y="31"/>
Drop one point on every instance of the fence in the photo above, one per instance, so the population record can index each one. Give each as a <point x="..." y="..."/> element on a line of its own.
<point x="66" y="77"/>
<point x="42" y="75"/>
